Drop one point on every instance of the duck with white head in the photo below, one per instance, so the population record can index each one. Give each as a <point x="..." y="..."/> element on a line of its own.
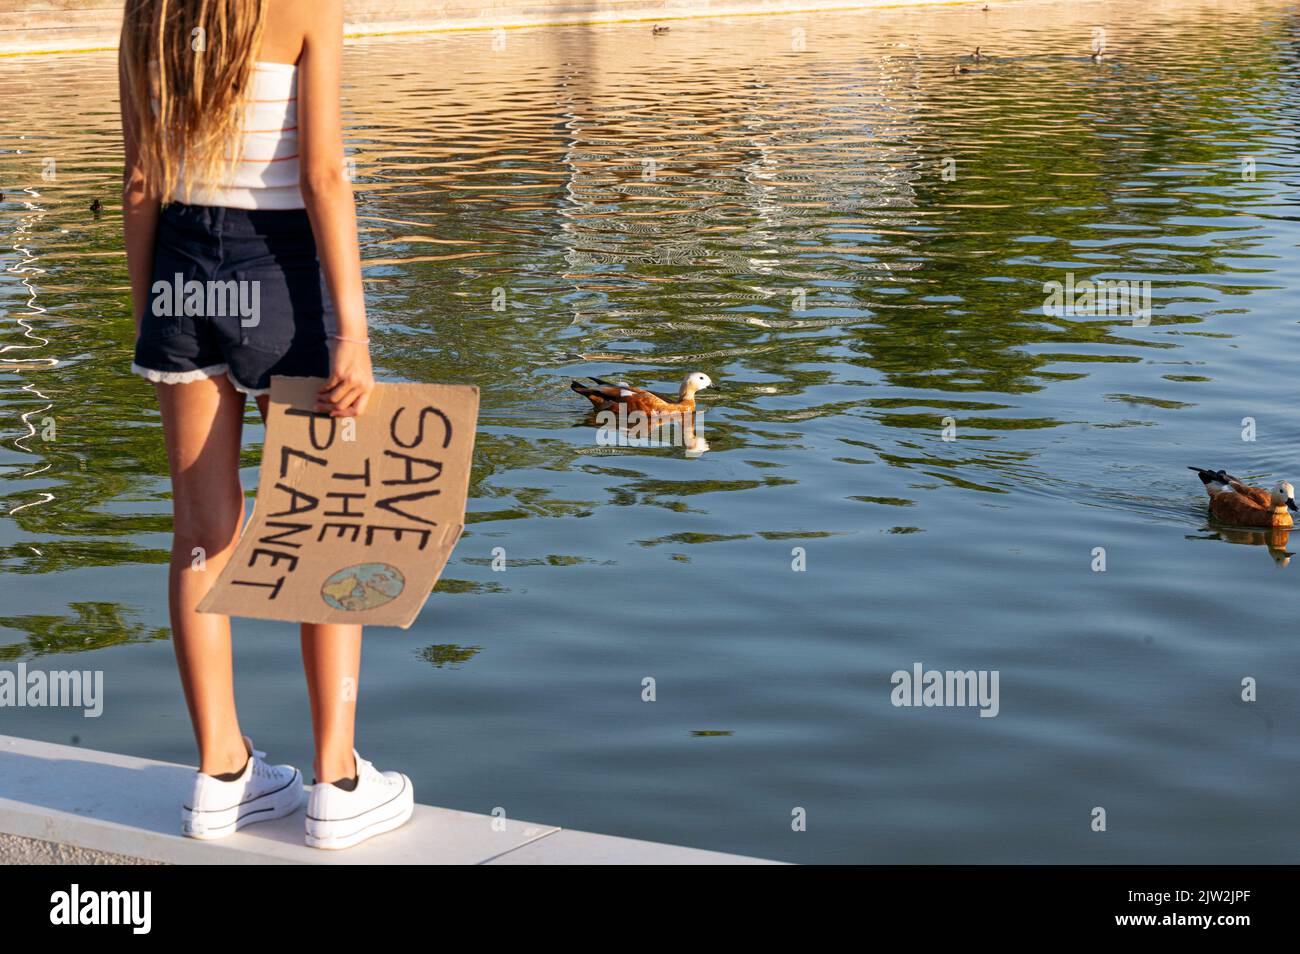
<point x="610" y="395"/>
<point x="1235" y="503"/>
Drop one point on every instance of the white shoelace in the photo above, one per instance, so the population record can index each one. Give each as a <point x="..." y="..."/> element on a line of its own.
<point x="373" y="774"/>
<point x="260" y="767"/>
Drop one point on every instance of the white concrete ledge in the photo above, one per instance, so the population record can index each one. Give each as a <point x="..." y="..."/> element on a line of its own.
<point x="103" y="802"/>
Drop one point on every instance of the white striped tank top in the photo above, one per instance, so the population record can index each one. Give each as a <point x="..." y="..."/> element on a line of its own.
<point x="266" y="176"/>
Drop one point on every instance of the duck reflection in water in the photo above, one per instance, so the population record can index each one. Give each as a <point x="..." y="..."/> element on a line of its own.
<point x="635" y="429"/>
<point x="1275" y="538"/>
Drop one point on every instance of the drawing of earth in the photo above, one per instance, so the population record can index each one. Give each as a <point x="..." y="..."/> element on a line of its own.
<point x="363" y="586"/>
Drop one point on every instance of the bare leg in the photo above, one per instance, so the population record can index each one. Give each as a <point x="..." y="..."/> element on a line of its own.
<point x="202" y="422"/>
<point x="331" y="659"/>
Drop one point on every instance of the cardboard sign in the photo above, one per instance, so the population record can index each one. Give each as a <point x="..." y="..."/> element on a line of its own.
<point x="355" y="517"/>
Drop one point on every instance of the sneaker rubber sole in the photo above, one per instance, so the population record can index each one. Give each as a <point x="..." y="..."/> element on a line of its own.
<point x="337" y="835"/>
<point x="213" y="825"/>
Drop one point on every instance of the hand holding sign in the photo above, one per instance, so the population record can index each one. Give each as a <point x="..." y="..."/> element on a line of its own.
<point x="355" y="517"/>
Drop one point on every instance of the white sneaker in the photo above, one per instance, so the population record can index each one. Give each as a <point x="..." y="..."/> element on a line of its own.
<point x="381" y="802"/>
<point x="217" y="809"/>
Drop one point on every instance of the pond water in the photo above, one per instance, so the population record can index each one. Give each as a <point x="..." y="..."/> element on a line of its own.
<point x="910" y="458"/>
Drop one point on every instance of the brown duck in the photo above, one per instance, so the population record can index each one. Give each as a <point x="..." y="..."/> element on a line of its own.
<point x="1232" y="502"/>
<point x="607" y="396"/>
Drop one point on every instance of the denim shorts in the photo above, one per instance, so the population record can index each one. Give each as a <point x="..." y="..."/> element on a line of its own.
<point x="234" y="291"/>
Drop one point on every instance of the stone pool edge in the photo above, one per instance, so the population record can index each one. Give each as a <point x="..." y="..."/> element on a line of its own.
<point x="93" y="802"/>
<point x="95" y="30"/>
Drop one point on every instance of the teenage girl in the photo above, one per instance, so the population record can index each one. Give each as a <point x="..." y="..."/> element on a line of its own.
<point x="234" y="180"/>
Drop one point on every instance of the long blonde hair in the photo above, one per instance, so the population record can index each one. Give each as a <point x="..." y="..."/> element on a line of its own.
<point x="187" y="66"/>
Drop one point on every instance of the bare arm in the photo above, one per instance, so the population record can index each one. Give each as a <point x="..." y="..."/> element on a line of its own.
<point x="327" y="193"/>
<point x="139" y="215"/>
